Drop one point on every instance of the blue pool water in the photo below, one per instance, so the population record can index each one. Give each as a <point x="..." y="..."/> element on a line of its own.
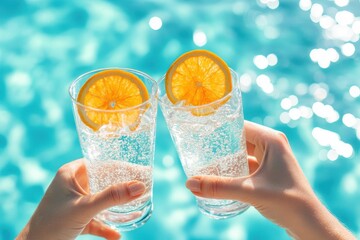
<point x="299" y="63"/>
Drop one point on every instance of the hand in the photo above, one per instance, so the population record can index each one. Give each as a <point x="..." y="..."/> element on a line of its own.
<point x="67" y="208"/>
<point x="278" y="189"/>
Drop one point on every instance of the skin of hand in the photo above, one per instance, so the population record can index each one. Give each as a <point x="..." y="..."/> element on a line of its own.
<point x="276" y="187"/>
<point x="67" y="208"/>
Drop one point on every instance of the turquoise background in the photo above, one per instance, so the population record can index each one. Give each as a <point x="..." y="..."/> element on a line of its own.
<point x="44" y="45"/>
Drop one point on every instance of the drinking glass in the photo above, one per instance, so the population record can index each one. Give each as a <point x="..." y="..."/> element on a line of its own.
<point x="210" y="140"/>
<point x="119" y="151"/>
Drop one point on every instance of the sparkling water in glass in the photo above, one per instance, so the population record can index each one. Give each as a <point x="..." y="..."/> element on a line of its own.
<point x="116" y="154"/>
<point x="210" y="141"/>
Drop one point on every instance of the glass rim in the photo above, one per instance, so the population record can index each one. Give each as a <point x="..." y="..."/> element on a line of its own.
<point x="187" y="108"/>
<point x="153" y="94"/>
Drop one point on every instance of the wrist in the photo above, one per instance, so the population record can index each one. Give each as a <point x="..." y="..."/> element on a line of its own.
<point x="23" y="235"/>
<point x="35" y="230"/>
<point x="314" y="221"/>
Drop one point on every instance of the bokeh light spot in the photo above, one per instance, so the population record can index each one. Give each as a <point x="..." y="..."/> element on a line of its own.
<point x="155" y="23"/>
<point x="349" y="120"/>
<point x="199" y="38"/>
<point x="294" y="114"/>
<point x="294" y="100"/>
<point x="354" y="91"/>
<point x="344" y="17"/>
<point x="245" y="82"/>
<point x="301" y="89"/>
<point x="332" y="54"/>
<point x="273" y="4"/>
<point x="341" y="3"/>
<point x="356" y="27"/>
<point x="320" y="93"/>
<point x="348" y="49"/>
<point x="168" y="161"/>
<point x="284" y="117"/>
<point x="240" y="7"/>
<point x="316" y="12"/>
<point x="305" y="5"/>
<point x="272" y="59"/>
<point x="326" y="22"/>
<point x="286" y="104"/>
<point x="261" y="61"/>
<point x="332" y="155"/>
<point x="264" y="82"/>
<point x="349" y="183"/>
<point x="306" y="112"/>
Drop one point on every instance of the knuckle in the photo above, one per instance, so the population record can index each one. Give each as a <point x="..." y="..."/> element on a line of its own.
<point x="214" y="187"/>
<point x="281" y="138"/>
<point x="62" y="172"/>
<point x="115" y="195"/>
<point x="282" y="135"/>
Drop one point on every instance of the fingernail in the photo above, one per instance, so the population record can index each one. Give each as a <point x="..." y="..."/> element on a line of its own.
<point x="193" y="185"/>
<point x="136" y="188"/>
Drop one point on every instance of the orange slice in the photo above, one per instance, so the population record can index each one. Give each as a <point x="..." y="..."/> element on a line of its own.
<point x="107" y="92"/>
<point x="196" y="78"/>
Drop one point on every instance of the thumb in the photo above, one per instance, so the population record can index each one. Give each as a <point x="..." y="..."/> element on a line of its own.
<point x="115" y="195"/>
<point x="221" y="187"/>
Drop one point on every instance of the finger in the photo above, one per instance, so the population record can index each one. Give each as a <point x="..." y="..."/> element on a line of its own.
<point x="257" y="138"/>
<point x="115" y="195"/>
<point x="254" y="133"/>
<point x="220" y="187"/>
<point x="250" y="148"/>
<point x="73" y="176"/>
<point x="99" y="229"/>
<point x="253" y="164"/>
<point x="81" y="175"/>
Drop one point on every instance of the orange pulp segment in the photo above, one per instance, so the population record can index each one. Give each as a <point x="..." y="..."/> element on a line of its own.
<point x="196" y="78"/>
<point x="106" y="93"/>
